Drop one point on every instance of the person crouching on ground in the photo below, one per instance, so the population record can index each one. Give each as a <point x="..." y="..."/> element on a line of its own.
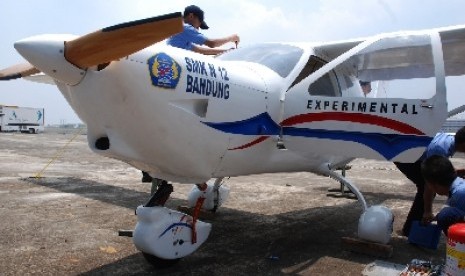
<point x="441" y="177"/>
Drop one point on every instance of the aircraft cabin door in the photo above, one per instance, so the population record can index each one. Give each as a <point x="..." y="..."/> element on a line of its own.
<point x="326" y="112"/>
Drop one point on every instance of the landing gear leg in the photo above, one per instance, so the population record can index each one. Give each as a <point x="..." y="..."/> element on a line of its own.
<point x="376" y="222"/>
<point x="164" y="236"/>
<point x="214" y="193"/>
<point x="343" y="191"/>
<point x="156" y="183"/>
<point x="349" y="185"/>
<point x="161" y="194"/>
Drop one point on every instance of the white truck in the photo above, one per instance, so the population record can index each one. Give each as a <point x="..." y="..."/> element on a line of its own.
<point x="23" y="119"/>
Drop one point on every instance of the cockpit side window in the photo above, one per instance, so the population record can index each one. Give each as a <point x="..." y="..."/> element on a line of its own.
<point x="327" y="85"/>
<point x="314" y="63"/>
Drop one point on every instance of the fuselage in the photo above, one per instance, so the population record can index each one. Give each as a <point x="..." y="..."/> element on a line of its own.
<point x="263" y="108"/>
<point x="154" y="107"/>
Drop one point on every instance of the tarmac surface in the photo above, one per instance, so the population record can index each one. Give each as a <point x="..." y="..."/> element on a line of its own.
<point x="61" y="207"/>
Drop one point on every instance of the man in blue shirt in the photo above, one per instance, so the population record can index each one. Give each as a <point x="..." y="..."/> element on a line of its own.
<point x="191" y="39"/>
<point x="441" y="177"/>
<point x="443" y="144"/>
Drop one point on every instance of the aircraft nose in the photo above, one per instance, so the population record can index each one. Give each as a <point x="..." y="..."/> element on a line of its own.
<point x="46" y="53"/>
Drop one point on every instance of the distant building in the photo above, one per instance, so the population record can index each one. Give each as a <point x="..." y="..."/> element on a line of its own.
<point x="453" y="125"/>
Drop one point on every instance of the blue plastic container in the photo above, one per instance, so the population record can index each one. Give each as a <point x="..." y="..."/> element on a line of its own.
<point x="424" y="235"/>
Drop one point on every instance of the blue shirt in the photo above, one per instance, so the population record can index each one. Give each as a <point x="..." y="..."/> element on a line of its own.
<point x="443" y="144"/>
<point x="457" y="194"/>
<point x="187" y="38"/>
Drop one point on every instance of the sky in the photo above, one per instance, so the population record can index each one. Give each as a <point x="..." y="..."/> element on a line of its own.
<point x="253" y="20"/>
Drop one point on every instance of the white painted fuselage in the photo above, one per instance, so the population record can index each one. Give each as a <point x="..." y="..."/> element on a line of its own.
<point x="266" y="108"/>
<point x="163" y="130"/>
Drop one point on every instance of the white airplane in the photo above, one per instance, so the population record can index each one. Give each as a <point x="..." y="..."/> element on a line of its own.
<point x="263" y="108"/>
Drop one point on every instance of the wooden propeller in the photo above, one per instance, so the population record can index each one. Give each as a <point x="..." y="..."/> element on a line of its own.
<point x="109" y="44"/>
<point x="121" y="40"/>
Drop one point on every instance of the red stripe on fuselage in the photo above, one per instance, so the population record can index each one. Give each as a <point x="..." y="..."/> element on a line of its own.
<point x="254" y="142"/>
<point x="352" y="117"/>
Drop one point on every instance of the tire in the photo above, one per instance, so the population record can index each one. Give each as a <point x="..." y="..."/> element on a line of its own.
<point x="32" y="131"/>
<point x="159" y="262"/>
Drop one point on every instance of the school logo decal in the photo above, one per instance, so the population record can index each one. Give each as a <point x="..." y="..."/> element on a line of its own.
<point x="164" y="71"/>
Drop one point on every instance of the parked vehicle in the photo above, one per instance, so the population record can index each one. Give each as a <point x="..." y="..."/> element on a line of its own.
<point x="23" y="119"/>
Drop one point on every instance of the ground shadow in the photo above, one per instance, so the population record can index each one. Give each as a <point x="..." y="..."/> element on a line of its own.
<point x="90" y="189"/>
<point x="244" y="243"/>
<point x="249" y="244"/>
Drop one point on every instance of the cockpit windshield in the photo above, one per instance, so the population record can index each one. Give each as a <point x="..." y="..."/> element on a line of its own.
<point x="278" y="57"/>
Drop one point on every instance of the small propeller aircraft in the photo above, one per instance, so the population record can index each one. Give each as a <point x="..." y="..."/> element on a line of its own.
<point x="264" y="108"/>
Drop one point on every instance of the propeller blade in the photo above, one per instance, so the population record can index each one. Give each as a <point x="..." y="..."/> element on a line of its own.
<point x="18" y="71"/>
<point x="121" y="40"/>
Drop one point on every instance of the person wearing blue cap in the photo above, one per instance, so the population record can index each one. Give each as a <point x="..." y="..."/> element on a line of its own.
<point x="191" y="39"/>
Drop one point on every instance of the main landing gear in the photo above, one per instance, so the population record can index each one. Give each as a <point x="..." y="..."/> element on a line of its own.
<point x="376" y="222"/>
<point x="164" y="236"/>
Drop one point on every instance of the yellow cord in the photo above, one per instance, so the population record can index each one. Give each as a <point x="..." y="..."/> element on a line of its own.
<point x="39" y="174"/>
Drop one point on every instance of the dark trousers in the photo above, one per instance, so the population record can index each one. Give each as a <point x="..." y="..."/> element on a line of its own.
<point x="413" y="172"/>
<point x="448" y="216"/>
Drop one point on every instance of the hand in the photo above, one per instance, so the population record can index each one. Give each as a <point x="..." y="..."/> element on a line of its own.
<point x="225" y="51"/>
<point x="236" y="39"/>
<point x="460" y="173"/>
<point x="427" y="218"/>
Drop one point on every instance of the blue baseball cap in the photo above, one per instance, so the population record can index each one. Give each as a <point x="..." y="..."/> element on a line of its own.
<point x="197" y="12"/>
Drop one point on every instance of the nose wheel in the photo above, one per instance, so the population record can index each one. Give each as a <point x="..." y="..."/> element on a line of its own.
<point x="164" y="236"/>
